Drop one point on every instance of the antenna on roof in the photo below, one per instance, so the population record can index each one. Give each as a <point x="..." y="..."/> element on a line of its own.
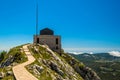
<point x="36" y="17"/>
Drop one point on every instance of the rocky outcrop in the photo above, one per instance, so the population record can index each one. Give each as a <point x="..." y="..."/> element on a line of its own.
<point x="36" y="69"/>
<point x="65" y="66"/>
<point x="7" y="62"/>
<point x="55" y="67"/>
<point x="87" y="73"/>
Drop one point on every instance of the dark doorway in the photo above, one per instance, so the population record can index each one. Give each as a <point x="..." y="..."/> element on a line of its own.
<point x="57" y="47"/>
<point x="56" y="40"/>
<point x="37" y="40"/>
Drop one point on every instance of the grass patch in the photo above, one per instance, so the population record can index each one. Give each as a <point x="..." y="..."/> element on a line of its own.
<point x="17" y="53"/>
<point x="2" y="55"/>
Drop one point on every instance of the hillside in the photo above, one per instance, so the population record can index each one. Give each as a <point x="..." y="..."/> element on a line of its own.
<point x="104" y="64"/>
<point x="48" y="65"/>
<point x="15" y="56"/>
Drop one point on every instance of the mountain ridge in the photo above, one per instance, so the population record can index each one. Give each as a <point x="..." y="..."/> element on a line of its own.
<point x="48" y="65"/>
<point x="104" y="64"/>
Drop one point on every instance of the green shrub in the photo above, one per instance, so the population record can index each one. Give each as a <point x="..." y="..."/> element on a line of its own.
<point x="2" y="55"/>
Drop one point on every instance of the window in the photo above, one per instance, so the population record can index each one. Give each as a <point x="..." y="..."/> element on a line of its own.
<point x="56" y="40"/>
<point x="37" y="40"/>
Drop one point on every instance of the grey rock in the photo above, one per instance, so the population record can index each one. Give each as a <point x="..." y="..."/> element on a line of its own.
<point x="14" y="64"/>
<point x="8" y="62"/>
<point x="58" y="78"/>
<point x="56" y="68"/>
<point x="2" y="75"/>
<point x="9" y="73"/>
<point x="36" y="69"/>
<point x="36" y="72"/>
<point x="46" y="62"/>
<point x="39" y="68"/>
<point x="72" y="62"/>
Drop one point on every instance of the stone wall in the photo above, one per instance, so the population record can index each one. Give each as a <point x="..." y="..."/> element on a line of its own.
<point x="49" y="40"/>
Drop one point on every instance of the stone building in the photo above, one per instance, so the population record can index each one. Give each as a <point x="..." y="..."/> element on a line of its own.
<point x="47" y="37"/>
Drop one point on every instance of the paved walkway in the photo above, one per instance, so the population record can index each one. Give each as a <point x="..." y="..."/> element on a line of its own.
<point x="20" y="71"/>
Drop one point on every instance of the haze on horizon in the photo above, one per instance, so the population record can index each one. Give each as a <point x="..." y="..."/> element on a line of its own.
<point x="85" y="25"/>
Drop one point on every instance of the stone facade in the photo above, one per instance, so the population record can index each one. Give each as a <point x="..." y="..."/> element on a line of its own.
<point x="47" y="37"/>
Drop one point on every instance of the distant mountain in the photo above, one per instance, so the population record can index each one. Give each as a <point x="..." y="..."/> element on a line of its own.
<point x="111" y="56"/>
<point x="107" y="65"/>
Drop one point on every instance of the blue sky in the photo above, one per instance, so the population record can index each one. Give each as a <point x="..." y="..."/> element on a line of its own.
<point x="85" y="25"/>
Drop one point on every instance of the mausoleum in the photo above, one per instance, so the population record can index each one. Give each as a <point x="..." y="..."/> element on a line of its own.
<point x="47" y="37"/>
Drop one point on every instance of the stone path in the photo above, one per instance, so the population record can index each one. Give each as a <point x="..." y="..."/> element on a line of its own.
<point x="20" y="71"/>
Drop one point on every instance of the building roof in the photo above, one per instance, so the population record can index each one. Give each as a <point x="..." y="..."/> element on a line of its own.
<point x="46" y="31"/>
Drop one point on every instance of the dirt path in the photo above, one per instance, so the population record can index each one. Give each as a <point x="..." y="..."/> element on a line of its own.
<point x="20" y="71"/>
